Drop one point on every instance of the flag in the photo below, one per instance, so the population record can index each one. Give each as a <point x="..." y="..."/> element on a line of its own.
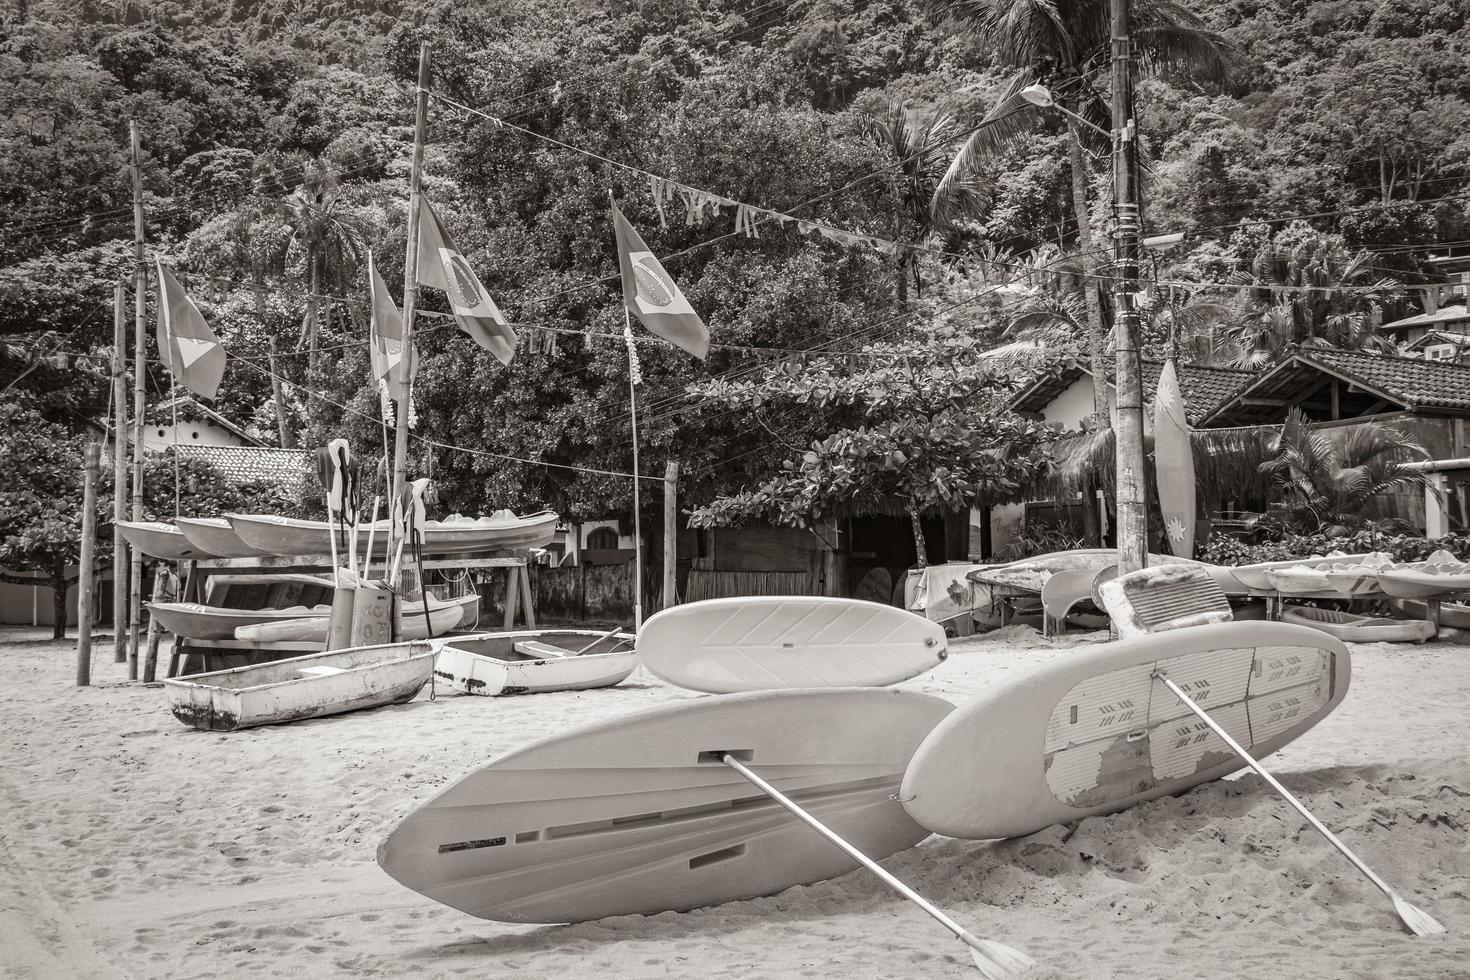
<point x="190" y="350"/>
<point x="386" y="335"/>
<point x="652" y="296"/>
<point x="442" y="266"/>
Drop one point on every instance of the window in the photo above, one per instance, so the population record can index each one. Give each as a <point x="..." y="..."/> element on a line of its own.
<point x="602" y="539"/>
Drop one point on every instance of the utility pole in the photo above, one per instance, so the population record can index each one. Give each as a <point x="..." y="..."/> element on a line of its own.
<point x="140" y="380"/>
<point x="410" y="274"/>
<point x="1132" y="503"/>
<point x="119" y="471"/>
<point x="671" y="534"/>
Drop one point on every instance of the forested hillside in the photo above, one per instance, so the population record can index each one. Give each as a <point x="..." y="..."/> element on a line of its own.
<point x="276" y="146"/>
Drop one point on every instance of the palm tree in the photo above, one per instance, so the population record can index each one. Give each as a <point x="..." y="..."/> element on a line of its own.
<point x="1314" y="296"/>
<point x="1327" y="477"/>
<point x="921" y="149"/>
<point x="1060" y="44"/>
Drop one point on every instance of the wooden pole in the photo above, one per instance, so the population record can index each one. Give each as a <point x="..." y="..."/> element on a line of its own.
<point x="90" y="458"/>
<point x="671" y="534"/>
<point x="164" y="589"/>
<point x="278" y="392"/>
<point x="1131" y="500"/>
<point x="119" y="472"/>
<point x="140" y="379"/>
<point x="410" y="271"/>
<point x="637" y="479"/>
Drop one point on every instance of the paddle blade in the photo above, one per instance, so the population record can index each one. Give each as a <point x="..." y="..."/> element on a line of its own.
<point x="996" y="961"/>
<point x="1420" y="922"/>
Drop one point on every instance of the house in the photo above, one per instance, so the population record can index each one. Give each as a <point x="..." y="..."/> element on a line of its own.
<point x="1439" y="345"/>
<point x="198" y="425"/>
<point x="1452" y="319"/>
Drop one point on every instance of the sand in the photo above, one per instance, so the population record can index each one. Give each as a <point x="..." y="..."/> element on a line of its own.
<point x="133" y="846"/>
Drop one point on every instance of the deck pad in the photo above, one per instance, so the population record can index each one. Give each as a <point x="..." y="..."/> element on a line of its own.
<point x="1107" y="734"/>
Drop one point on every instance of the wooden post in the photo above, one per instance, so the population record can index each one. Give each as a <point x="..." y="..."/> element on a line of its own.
<point x="278" y="392"/>
<point x="90" y="455"/>
<point x="119" y="472"/>
<point x="410" y="272"/>
<point x="671" y="534"/>
<point x="164" y="589"/>
<point x="140" y="379"/>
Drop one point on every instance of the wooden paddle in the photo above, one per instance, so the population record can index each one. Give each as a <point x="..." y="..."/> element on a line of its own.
<point x="1420" y="923"/>
<point x="380" y="481"/>
<point x="995" y="960"/>
<point x="606" y="636"/>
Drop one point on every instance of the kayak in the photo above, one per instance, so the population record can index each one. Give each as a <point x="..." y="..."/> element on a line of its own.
<point x="291" y="536"/>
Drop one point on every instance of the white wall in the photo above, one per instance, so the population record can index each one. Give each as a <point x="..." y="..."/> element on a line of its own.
<point x="1074" y="404"/>
<point x="157" y="438"/>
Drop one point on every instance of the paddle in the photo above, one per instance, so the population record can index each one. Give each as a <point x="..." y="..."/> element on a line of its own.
<point x="606" y="636"/>
<point x="995" y="960"/>
<point x="379" y="481"/>
<point x="326" y="473"/>
<point x="1420" y="923"/>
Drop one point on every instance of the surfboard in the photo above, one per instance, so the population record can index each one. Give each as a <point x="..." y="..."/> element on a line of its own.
<point x="762" y="643"/>
<point x="1095" y="732"/>
<point x="1174" y="463"/>
<point x="637" y="815"/>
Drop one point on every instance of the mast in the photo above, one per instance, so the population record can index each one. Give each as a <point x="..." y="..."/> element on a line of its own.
<point x="410" y="273"/>
<point x="119" y="470"/>
<point x="140" y="379"/>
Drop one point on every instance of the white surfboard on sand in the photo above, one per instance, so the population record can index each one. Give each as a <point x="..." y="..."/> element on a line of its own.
<point x="638" y="815"/>
<point x="1095" y="732"/>
<point x="757" y="643"/>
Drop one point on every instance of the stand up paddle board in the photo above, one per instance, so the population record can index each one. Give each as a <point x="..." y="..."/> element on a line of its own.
<point x="761" y="643"/>
<point x="1095" y="732"/>
<point x="639" y="814"/>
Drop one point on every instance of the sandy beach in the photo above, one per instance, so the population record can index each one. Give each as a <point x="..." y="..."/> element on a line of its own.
<point x="132" y="846"/>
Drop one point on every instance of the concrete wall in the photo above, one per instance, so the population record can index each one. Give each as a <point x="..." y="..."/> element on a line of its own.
<point x="157" y="438"/>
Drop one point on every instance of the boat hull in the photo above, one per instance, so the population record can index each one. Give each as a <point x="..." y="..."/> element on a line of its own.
<point x="487" y="664"/>
<point x="159" y="540"/>
<point x="300" y="688"/>
<point x="443" y="617"/>
<point x="196" y="621"/>
<point x="291" y="537"/>
<point x="214" y="535"/>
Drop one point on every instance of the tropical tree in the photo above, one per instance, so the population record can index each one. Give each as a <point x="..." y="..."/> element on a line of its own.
<point x="1060" y="46"/>
<point x="1327" y="478"/>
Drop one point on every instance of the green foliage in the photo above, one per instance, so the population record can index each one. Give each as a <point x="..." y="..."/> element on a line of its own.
<point x="1223" y="550"/>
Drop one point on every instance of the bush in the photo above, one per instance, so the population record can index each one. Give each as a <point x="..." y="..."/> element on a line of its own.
<point x="1403" y="547"/>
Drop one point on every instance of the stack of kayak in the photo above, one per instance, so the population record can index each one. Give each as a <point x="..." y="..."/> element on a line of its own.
<point x="1373" y="575"/>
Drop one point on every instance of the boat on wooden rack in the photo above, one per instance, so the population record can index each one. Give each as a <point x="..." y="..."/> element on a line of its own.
<point x="1257" y="576"/>
<point x="1440" y="574"/>
<point x="533" y="661"/>
<point x="160" y="540"/>
<point x="197" y="621"/>
<point x="444" y="615"/>
<point x="312" y="686"/>
<point x="501" y="531"/>
<point x="214" y="535"/>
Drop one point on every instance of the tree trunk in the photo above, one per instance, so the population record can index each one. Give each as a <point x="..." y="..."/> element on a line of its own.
<point x="921" y="554"/>
<point x="278" y="392"/>
<point x="314" y="261"/>
<point x="1097" y="337"/>
<point x="58" y="600"/>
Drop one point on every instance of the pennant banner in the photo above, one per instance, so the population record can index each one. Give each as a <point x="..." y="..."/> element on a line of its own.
<point x="442" y="266"/>
<point x="190" y="350"/>
<point x="385" y="349"/>
<point x="653" y="296"/>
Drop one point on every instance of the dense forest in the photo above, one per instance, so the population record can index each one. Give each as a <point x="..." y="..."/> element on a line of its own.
<point x="1284" y="138"/>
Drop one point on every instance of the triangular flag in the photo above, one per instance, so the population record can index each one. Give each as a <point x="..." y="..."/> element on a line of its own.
<point x="189" y="349"/>
<point x="386" y="338"/>
<point x="442" y="266"/>
<point x="653" y="296"/>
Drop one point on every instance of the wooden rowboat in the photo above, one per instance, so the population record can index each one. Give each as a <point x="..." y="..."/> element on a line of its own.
<point x="533" y="661"/>
<point x="214" y="535"/>
<point x="312" y="686"/>
<point x="160" y="540"/>
<point x="502" y="531"/>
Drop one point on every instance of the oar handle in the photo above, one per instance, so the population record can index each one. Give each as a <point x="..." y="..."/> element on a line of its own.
<point x="1297" y="804"/>
<point x="851" y="851"/>
<point x="606" y="636"/>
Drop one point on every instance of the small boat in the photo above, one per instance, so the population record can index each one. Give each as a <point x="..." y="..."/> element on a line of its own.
<point x="533" y="661"/>
<point x="1355" y="628"/>
<point x="302" y="687"/>
<point x="197" y="621"/>
<point x="161" y="540"/>
<point x="1255" y="576"/>
<point x="502" y="531"/>
<point x="214" y="535"/>
<point x="1441" y="573"/>
<point x="444" y="615"/>
<point x="271" y="591"/>
<point x="1455" y="615"/>
<point x="1031" y="574"/>
<point x="1299" y="580"/>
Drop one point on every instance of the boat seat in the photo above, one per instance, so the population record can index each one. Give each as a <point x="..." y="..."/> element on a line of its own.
<point x="539" y="650"/>
<point x="321" y="671"/>
<point x="1164" y="597"/>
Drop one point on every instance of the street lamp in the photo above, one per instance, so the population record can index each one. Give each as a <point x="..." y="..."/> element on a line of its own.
<point x="1040" y="95"/>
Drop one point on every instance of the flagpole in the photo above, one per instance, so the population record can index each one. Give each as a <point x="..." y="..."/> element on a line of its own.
<point x="637" y="496"/>
<point x="119" y="471"/>
<point x="410" y="269"/>
<point x="140" y="380"/>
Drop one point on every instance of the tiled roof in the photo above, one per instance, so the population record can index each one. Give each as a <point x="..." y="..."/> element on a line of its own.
<point x="1437" y="337"/>
<point x="1414" y="382"/>
<point x="1204" y="388"/>
<point x="1445" y="314"/>
<point x="286" y="468"/>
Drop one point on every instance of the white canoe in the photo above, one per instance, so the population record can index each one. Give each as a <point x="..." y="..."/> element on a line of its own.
<point x="1355" y="628"/>
<point x="762" y="643"/>
<point x="197" y="621"/>
<point x="1299" y="580"/>
<point x="160" y="540"/>
<point x="533" y="661"/>
<point x="1032" y="574"/>
<point x="1255" y="576"/>
<point x="214" y="535"/>
<point x="503" y="531"/>
<point x="302" y="687"/>
<point x="1094" y="732"/>
<point x="638" y="815"/>
<point x="1440" y="574"/>
<point x="444" y="615"/>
